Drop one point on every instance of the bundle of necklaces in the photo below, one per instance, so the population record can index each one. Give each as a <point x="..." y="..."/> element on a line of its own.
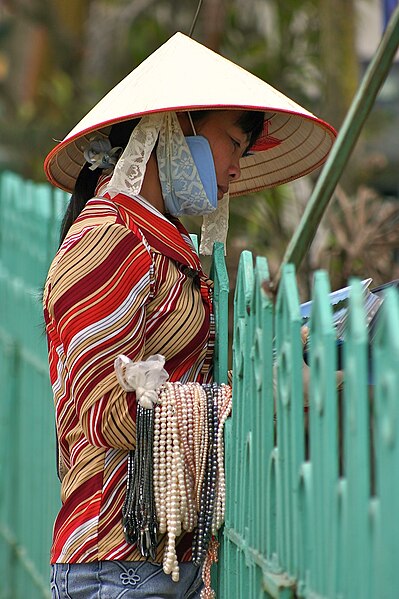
<point x="176" y="476"/>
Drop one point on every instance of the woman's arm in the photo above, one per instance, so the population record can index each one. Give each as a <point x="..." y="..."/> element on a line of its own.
<point x="97" y="302"/>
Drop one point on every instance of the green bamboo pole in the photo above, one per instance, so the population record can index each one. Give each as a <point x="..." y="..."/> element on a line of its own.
<point x="343" y="146"/>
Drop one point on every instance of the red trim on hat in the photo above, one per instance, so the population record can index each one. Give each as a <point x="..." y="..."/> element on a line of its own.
<point x="264" y="142"/>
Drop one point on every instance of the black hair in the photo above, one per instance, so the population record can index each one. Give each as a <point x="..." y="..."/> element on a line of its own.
<point x="251" y="122"/>
<point x="87" y="179"/>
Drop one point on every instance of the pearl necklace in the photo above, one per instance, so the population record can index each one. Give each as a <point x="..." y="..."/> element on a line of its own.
<point x="225" y="405"/>
<point x="176" y="474"/>
<point x="189" y="448"/>
<point x="208" y="487"/>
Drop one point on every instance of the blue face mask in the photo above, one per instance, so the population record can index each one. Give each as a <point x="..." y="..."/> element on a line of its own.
<point x="184" y="190"/>
<point x="203" y="159"/>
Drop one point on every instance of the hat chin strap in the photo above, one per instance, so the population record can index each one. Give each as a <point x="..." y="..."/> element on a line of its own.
<point x="214" y="227"/>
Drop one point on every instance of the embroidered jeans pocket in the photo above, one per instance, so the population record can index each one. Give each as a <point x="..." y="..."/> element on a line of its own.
<point x="122" y="580"/>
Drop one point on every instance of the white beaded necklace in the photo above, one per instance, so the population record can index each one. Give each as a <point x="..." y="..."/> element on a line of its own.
<point x="181" y="455"/>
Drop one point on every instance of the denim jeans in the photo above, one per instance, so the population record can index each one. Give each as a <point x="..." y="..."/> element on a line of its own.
<point x="118" y="579"/>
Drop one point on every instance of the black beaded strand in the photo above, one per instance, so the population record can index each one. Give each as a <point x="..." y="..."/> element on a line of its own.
<point x="203" y="532"/>
<point x="139" y="517"/>
<point x="129" y="527"/>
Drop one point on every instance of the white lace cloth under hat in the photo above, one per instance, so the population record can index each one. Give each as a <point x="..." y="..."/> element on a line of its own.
<point x="128" y="174"/>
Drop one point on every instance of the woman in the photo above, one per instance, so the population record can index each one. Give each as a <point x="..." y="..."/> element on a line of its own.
<point x="126" y="279"/>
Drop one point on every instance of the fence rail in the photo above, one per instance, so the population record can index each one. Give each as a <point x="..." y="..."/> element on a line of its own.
<point x="311" y="492"/>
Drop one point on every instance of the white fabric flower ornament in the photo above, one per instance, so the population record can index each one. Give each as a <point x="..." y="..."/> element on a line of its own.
<point x="100" y="154"/>
<point x="143" y="377"/>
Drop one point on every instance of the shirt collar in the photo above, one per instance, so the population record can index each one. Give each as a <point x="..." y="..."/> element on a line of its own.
<point x="166" y="236"/>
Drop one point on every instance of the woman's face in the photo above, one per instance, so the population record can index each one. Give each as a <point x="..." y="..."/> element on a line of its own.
<point x="228" y="144"/>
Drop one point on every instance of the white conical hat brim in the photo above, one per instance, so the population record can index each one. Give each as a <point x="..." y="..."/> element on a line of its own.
<point x="182" y="74"/>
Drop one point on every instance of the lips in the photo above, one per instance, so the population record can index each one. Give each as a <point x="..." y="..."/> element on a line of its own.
<point x="222" y="190"/>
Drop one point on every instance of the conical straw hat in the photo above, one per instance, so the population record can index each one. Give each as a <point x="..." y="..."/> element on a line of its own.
<point x="183" y="74"/>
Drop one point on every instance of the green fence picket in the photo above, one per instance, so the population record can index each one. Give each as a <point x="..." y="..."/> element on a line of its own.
<point x="323" y="432"/>
<point x="262" y="404"/>
<point x="221" y="297"/>
<point x="386" y="438"/>
<point x="355" y="495"/>
<point x="290" y="428"/>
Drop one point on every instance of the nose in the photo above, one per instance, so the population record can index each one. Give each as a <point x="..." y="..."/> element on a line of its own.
<point x="235" y="170"/>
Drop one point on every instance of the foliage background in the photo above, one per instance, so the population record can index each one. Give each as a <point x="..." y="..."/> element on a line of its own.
<point x="58" y="58"/>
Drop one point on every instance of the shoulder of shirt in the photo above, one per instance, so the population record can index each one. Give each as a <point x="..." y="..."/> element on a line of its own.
<point x="99" y="223"/>
<point x="100" y="236"/>
<point x="98" y="213"/>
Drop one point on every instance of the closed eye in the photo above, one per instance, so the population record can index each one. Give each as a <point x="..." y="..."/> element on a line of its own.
<point x="236" y="143"/>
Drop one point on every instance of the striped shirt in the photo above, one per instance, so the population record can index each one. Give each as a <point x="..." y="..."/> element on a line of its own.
<point x="126" y="280"/>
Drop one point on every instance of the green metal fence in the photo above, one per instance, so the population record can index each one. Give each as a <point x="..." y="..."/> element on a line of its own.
<point x="311" y="495"/>
<point x="311" y="498"/>
<point x="29" y="493"/>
